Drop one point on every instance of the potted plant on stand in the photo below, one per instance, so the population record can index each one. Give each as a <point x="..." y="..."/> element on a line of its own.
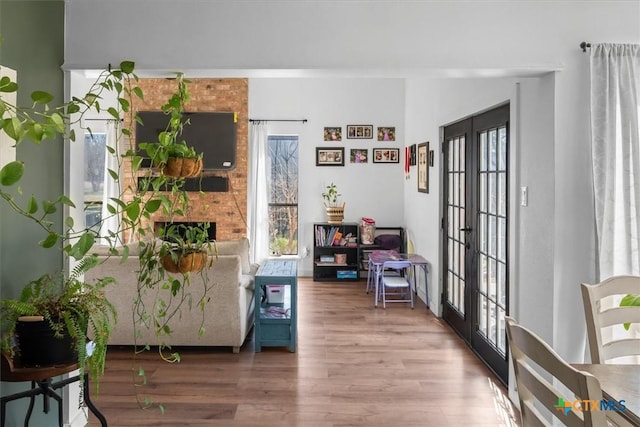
<point x="335" y="211"/>
<point x="154" y="193"/>
<point x="60" y="319"/>
<point x="76" y="316"/>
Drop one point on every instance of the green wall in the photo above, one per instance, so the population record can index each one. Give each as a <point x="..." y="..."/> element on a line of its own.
<point x="32" y="44"/>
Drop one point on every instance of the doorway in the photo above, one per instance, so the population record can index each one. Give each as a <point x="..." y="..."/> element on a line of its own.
<point x="475" y="233"/>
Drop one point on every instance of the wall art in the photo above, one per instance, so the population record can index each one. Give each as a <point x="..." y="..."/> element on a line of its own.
<point x="423" y="167"/>
<point x="386" y="155"/>
<point x="333" y="133"/>
<point x="386" y="133"/>
<point x="329" y="156"/>
<point x="359" y="131"/>
<point x="359" y="155"/>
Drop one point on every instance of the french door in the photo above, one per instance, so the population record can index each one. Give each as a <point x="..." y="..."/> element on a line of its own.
<point x="475" y="233"/>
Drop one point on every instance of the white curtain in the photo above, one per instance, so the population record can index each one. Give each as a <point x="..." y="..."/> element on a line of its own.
<point x="258" y="198"/>
<point x="615" y="149"/>
<point x="110" y="222"/>
<point x="615" y="145"/>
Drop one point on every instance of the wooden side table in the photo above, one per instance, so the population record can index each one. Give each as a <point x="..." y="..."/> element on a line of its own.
<point x="276" y="305"/>
<point x="42" y="384"/>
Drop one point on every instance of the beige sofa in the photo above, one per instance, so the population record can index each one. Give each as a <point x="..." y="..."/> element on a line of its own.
<point x="228" y="316"/>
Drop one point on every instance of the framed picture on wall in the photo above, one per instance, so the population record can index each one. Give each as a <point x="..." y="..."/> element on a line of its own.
<point x="386" y="133"/>
<point x="386" y="155"/>
<point x="360" y="132"/>
<point x="333" y="133"/>
<point x="359" y="155"/>
<point x="329" y="156"/>
<point x="423" y="167"/>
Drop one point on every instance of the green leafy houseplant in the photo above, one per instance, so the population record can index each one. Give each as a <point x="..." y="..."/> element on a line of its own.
<point x="171" y="153"/>
<point x="71" y="307"/>
<point x="331" y="195"/>
<point x="134" y="208"/>
<point x="335" y="211"/>
<point x="185" y="248"/>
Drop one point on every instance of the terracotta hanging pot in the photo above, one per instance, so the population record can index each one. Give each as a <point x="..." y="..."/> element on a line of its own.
<point x="181" y="167"/>
<point x="186" y="262"/>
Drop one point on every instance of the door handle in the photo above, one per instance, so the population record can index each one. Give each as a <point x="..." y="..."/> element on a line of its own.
<point x="466" y="229"/>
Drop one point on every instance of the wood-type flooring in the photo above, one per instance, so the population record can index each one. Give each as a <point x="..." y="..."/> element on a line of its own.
<point x="355" y="365"/>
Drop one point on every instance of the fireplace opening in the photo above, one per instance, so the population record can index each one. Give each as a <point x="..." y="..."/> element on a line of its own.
<point x="211" y="231"/>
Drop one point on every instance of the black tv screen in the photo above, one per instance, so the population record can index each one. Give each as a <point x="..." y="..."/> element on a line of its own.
<point x="214" y="134"/>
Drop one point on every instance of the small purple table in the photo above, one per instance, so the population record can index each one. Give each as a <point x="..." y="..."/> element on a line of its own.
<point x="377" y="258"/>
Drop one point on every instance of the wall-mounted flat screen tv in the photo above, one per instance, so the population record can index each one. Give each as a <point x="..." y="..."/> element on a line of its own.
<point x="214" y="134"/>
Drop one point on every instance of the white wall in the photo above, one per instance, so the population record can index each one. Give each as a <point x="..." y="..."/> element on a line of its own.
<point x="369" y="190"/>
<point x="531" y="164"/>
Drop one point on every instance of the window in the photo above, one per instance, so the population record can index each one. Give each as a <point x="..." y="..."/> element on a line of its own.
<point x="94" y="158"/>
<point x="283" y="195"/>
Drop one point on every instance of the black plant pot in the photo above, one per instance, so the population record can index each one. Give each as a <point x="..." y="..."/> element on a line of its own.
<point x="39" y="346"/>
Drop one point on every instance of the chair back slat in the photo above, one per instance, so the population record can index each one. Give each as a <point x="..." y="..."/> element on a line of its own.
<point x="619" y="316"/>
<point x="396" y="265"/>
<point x="534" y="361"/>
<point x="621" y="348"/>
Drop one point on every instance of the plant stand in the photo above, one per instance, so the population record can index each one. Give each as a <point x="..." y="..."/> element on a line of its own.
<point x="41" y="384"/>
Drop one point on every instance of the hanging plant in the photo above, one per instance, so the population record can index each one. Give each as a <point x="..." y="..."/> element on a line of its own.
<point x="152" y="194"/>
<point x="186" y="247"/>
<point x="171" y="154"/>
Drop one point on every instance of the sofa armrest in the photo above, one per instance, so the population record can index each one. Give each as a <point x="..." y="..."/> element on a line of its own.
<point x="254" y="269"/>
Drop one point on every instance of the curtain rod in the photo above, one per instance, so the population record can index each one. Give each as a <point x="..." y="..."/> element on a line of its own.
<point x="102" y="120"/>
<point x="584" y="46"/>
<point x="277" y="120"/>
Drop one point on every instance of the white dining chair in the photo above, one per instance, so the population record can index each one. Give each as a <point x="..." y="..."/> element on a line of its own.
<point x="539" y="389"/>
<point x="603" y="313"/>
<point x="395" y="282"/>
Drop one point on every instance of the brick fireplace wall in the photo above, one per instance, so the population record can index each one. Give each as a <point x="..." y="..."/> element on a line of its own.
<point x="227" y="209"/>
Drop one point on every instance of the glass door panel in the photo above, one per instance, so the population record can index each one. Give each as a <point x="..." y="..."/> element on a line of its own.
<point x="476" y="233"/>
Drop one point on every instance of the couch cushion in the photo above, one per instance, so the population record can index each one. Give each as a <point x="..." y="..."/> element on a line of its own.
<point x="235" y="247"/>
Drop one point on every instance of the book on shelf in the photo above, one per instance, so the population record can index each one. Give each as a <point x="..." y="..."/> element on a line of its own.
<point x="333" y="236"/>
<point x="337" y="236"/>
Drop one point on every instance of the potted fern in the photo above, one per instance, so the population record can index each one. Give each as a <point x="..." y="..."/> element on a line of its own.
<point x="60" y="319"/>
